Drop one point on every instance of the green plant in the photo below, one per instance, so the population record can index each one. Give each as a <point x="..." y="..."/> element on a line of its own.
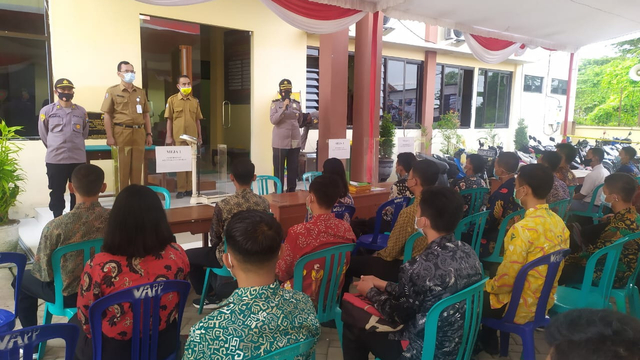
<point x="521" y="139"/>
<point x="491" y="137"/>
<point x="11" y="175"/>
<point x="425" y="138"/>
<point x="448" y="126"/>
<point x="387" y="136"/>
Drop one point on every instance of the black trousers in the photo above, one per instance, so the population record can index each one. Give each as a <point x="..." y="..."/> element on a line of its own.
<point x="291" y="156"/>
<point x="201" y="258"/>
<point x="31" y="290"/>
<point x="371" y="265"/>
<point x="487" y="312"/>
<point x="357" y="343"/>
<point x="58" y="175"/>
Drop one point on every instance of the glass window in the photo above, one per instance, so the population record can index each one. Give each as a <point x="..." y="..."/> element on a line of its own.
<point x="533" y="84"/>
<point x="559" y="87"/>
<point x="454" y="92"/>
<point x="313" y="80"/>
<point x="401" y="86"/>
<point x="493" y="98"/>
<point x="23" y="16"/>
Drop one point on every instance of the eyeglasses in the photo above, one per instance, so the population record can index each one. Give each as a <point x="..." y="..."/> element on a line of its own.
<point x="128" y="72"/>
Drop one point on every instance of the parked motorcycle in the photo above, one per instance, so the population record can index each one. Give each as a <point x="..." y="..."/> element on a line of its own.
<point x="490" y="154"/>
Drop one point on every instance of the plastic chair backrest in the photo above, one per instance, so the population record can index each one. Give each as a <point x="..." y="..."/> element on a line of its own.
<point x="334" y="269"/>
<point x="27" y="339"/>
<point x="473" y="298"/>
<point x="398" y="204"/>
<point x="552" y="261"/>
<point x="165" y="192"/>
<point x="291" y="352"/>
<point x="603" y="289"/>
<point x="340" y="210"/>
<point x="308" y="177"/>
<point x="408" y="246"/>
<point x="263" y="184"/>
<point x="477" y="198"/>
<point x="145" y="304"/>
<point x="560" y="207"/>
<point x="495" y="256"/>
<point x="572" y="191"/>
<point x="20" y="260"/>
<point x="473" y="223"/>
<point x="86" y="247"/>
<point x="592" y="203"/>
<point x="638" y="179"/>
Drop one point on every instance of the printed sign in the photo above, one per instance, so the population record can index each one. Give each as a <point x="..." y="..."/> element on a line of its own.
<point x="406" y="144"/>
<point x="173" y="159"/>
<point x="339" y="148"/>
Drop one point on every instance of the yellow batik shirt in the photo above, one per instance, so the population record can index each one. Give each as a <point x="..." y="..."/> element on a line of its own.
<point x="540" y="232"/>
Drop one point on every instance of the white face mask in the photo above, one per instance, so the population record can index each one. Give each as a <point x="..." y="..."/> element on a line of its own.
<point x="129" y="78"/>
<point x="230" y="263"/>
<point x="415" y="224"/>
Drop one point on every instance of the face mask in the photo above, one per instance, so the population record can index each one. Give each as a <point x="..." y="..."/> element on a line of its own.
<point x="308" y="205"/>
<point x="285" y="94"/>
<point x="617" y="159"/>
<point x="129" y="77"/>
<point x="186" y="91"/>
<point x="65" y="96"/>
<point x="603" y="200"/>
<point x="518" y="201"/>
<point x="230" y="263"/>
<point x="587" y="162"/>
<point x="415" y="224"/>
<point x="494" y="173"/>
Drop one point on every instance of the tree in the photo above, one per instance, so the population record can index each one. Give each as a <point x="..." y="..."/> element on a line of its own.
<point x="521" y="139"/>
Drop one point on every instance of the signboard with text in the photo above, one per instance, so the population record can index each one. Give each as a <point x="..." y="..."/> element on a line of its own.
<point x="173" y="159"/>
<point x="339" y="148"/>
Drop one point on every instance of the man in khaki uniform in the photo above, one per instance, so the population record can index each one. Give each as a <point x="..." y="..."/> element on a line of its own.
<point x="183" y="116"/>
<point x="127" y="123"/>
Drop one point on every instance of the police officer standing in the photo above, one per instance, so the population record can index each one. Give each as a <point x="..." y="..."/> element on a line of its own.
<point x="63" y="127"/>
<point x="127" y="123"/>
<point x="183" y="117"/>
<point x="286" y="116"/>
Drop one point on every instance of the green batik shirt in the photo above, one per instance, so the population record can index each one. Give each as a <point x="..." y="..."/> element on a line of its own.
<point x="252" y="323"/>
<point x="84" y="222"/>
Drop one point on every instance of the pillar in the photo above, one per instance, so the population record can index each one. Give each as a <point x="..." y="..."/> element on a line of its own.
<point x="334" y="77"/>
<point x="366" y="98"/>
<point x="428" y="95"/>
<point x="186" y="60"/>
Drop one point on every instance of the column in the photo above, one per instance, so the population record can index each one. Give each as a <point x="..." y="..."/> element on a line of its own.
<point x="366" y="98"/>
<point x="428" y="94"/>
<point x="185" y="61"/>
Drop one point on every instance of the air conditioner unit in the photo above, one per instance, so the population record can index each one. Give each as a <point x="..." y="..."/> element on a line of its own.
<point x="453" y="34"/>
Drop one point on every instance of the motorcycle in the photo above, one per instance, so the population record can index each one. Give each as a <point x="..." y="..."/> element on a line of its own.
<point x="490" y="154"/>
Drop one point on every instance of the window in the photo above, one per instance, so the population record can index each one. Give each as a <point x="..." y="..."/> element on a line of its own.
<point x="313" y="80"/>
<point x="402" y="91"/>
<point x="559" y="87"/>
<point x="453" y="92"/>
<point x="492" y="98"/>
<point x="24" y="63"/>
<point x="533" y="84"/>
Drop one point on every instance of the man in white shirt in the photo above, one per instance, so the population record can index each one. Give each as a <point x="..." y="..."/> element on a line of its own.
<point x="595" y="178"/>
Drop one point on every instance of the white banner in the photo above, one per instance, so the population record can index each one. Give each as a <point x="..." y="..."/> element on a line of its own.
<point x="173" y="159"/>
<point x="339" y="148"/>
<point x="406" y="144"/>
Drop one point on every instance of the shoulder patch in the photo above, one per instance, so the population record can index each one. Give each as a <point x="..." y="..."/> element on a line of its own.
<point x="106" y="95"/>
<point x="166" y="106"/>
<point x="42" y="117"/>
<point x="273" y="105"/>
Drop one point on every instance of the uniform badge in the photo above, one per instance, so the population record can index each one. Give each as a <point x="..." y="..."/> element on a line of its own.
<point x="42" y="117"/>
<point x="106" y="95"/>
<point x="273" y="105"/>
<point x="77" y="126"/>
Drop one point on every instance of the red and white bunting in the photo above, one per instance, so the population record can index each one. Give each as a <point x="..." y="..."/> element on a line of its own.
<point x="314" y="17"/>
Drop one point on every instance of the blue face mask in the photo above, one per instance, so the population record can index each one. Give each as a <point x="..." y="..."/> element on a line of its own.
<point x="617" y="159"/>
<point x="129" y="78"/>
<point x="603" y="198"/>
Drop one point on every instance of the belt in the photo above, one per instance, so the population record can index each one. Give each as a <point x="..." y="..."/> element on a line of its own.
<point x="129" y="126"/>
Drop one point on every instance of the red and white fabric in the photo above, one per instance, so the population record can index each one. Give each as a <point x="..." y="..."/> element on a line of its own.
<point x="173" y="2"/>
<point x="493" y="51"/>
<point x="314" y="17"/>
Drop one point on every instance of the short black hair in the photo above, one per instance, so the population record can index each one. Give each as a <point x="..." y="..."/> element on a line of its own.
<point x="335" y="167"/>
<point x="254" y="237"/>
<point x="182" y="77"/>
<point x="123" y="62"/>
<point x="478" y="163"/>
<point x="622" y="184"/>
<point x="552" y="159"/>
<point x="87" y="180"/>
<point x="568" y="151"/>
<point x="137" y="225"/>
<point x="597" y="152"/>
<point x="509" y="161"/>
<point x="538" y="177"/>
<point x="443" y="207"/>
<point x="406" y="160"/>
<point x="325" y="190"/>
<point x="426" y="171"/>
<point x="593" y="334"/>
<point x="243" y="171"/>
<point x="630" y="151"/>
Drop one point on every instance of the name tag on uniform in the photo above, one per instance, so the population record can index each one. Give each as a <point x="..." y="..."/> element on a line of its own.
<point x="139" y="108"/>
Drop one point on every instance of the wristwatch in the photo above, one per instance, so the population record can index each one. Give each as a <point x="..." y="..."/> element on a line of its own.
<point x="150" y="134"/>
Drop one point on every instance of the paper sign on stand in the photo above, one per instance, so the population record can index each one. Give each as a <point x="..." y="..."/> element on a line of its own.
<point x="406" y="144"/>
<point x="173" y="159"/>
<point x="339" y="148"/>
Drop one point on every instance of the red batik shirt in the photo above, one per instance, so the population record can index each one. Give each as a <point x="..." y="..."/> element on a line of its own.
<point x="323" y="231"/>
<point x="105" y="274"/>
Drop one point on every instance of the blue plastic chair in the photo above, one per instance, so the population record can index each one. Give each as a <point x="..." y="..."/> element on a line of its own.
<point x="408" y="246"/>
<point x="8" y="318"/>
<point x="57" y="307"/>
<point x="291" y="352"/>
<point x="502" y="232"/>
<point x="506" y="325"/>
<point x="263" y="184"/>
<point x="572" y="191"/>
<point x="28" y="338"/>
<point x="588" y="295"/>
<point x="477" y="196"/>
<point x="308" y="177"/>
<point x="145" y="304"/>
<point x="595" y="211"/>
<point x="165" y="192"/>
<point x="628" y="295"/>
<point x="377" y="241"/>
<point x="344" y="212"/>
<point x="560" y="208"/>
<point x="223" y="271"/>
<point x="474" y="223"/>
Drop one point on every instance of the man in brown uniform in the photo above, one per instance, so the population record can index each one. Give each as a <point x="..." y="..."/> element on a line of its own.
<point x="127" y="123"/>
<point x="183" y="117"/>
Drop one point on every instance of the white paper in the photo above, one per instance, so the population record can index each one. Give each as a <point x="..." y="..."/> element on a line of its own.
<point x="406" y="144"/>
<point x="339" y="148"/>
<point x="173" y="159"/>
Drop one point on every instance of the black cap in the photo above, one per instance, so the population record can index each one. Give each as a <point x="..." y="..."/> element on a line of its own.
<point x="285" y="84"/>
<point x="64" y="83"/>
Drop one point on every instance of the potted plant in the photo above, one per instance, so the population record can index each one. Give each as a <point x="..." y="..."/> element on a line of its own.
<point x="11" y="177"/>
<point x="448" y="128"/>
<point x="521" y="139"/>
<point x="387" y="140"/>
